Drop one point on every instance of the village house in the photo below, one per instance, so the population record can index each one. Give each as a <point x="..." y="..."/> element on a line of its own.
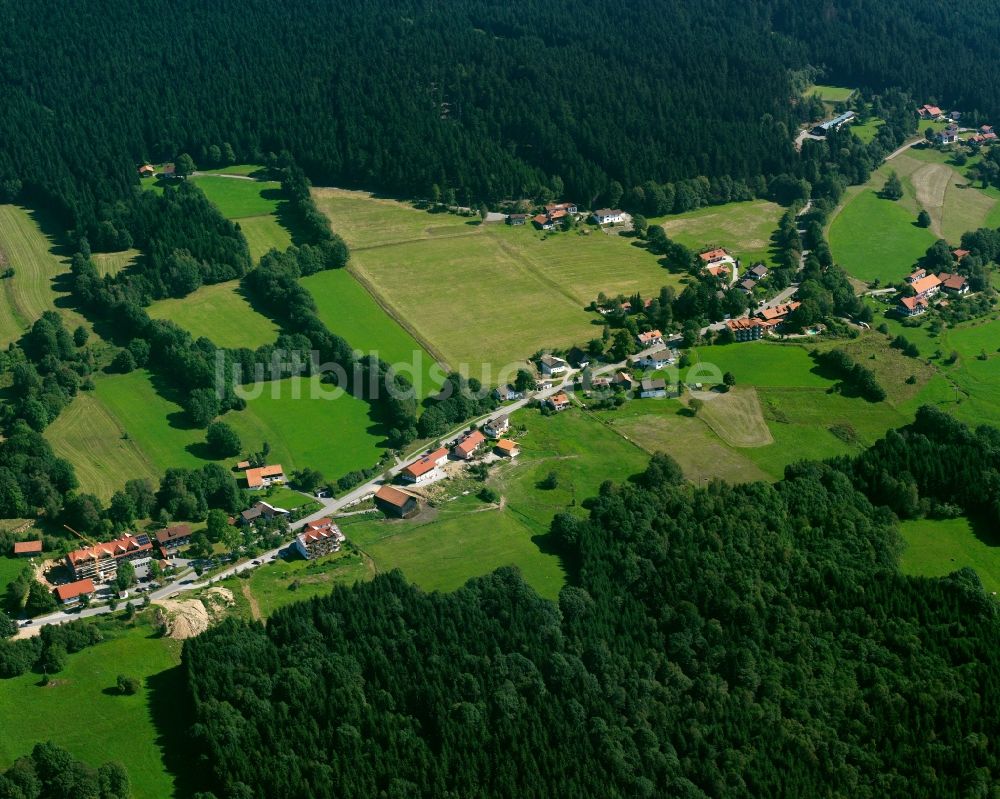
<point x="747" y="329"/>
<point x="170" y="539"/>
<point x="948" y="135"/>
<point x="100" y="561"/>
<point x="930" y="112"/>
<point x="74" y="592"/>
<point x="608" y="216"/>
<point x="27" y="549"/>
<point x="425" y="468"/>
<point x="720" y="271"/>
<point x="495" y="428"/>
<point x="566" y="208"/>
<point x="778" y="313"/>
<point x="650" y="338"/>
<point x="147" y="171"/>
<point x="168" y="171"/>
<point x="758" y="272"/>
<point x="552" y="366"/>
<point x="543" y="222"/>
<point x="507" y="393"/>
<point x="393" y="502"/>
<point x="559" y="402"/>
<point x="264" y="476"/>
<point x="261" y="510"/>
<point x="912" y="306"/>
<point x="653" y="388"/>
<point x="959" y="253"/>
<point x="467" y="447"/>
<point x="624" y="380"/>
<point x="516" y="219"/>
<point x="506" y="448"/>
<point x="926" y="287"/>
<point x="748" y="285"/>
<point x="319" y="538"/>
<point x="832" y="124"/>
<point x="656" y="360"/>
<point x="598" y="383"/>
<point x="915" y="275"/>
<point x="954" y="283"/>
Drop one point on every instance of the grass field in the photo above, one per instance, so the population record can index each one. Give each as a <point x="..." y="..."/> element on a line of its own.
<point x="867" y="131"/>
<point x="759" y="363"/>
<point x="90" y="437"/>
<point x="31" y="291"/>
<point x="484" y="294"/>
<point x="253" y="204"/>
<point x="745" y="229"/>
<point x="79" y="711"/>
<point x="287" y="498"/>
<point x="830" y="94"/>
<point x="736" y="417"/>
<point x="334" y="436"/>
<point x="234" y="169"/>
<point x="9" y="569"/>
<point x="221" y="313"/>
<point x="283" y="582"/>
<point x="349" y="311"/>
<point x="111" y="263"/>
<point x="936" y="547"/>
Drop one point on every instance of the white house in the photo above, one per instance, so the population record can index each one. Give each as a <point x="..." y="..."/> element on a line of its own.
<point x="650" y="338"/>
<point x="656" y="387"/>
<point x="552" y="366"/>
<point x="424" y="468"/>
<point x="495" y="428"/>
<point x="656" y="360"/>
<point x="608" y="216"/>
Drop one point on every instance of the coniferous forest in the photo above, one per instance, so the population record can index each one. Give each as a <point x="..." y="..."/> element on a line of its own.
<point x="753" y="640"/>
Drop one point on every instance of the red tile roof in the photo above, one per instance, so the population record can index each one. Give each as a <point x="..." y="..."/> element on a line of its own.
<point x="925" y="284"/>
<point x="319" y="530"/>
<point x="541" y="219"/>
<point x="425" y="464"/>
<point x="170" y="533"/>
<point x="911" y="303"/>
<point x="960" y="253"/>
<point x="469" y="444"/>
<point x="952" y="281"/>
<point x="393" y="496"/>
<point x="651" y="336"/>
<point x="778" y="312"/>
<point x="255" y="477"/>
<point x="713" y="255"/>
<point x="126" y="545"/>
<point x="73" y="590"/>
<point x="506" y="445"/>
<point x="744" y="324"/>
<point x="26" y="547"/>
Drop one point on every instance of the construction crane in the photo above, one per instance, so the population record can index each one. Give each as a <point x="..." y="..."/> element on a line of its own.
<point x="81" y="536"/>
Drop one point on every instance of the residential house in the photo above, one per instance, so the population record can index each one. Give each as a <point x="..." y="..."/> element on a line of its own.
<point x="147" y="171"/>
<point x="778" y="313"/>
<point x="100" y="561"/>
<point x="170" y="539"/>
<point x="650" y="338"/>
<point x="748" y="285"/>
<point x="926" y="286"/>
<point x="74" y="592"/>
<point x="624" y="380"/>
<point x="543" y="222"/>
<point x="242" y="466"/>
<point x="985" y="130"/>
<point x="915" y="275"/>
<point x="507" y="393"/>
<point x="517" y="219"/>
<point x="495" y="428"/>
<point x="566" y="208"/>
<point x="948" y="135"/>
<point x="261" y="510"/>
<point x="716" y="256"/>
<point x="599" y="383"/>
<point x="264" y="476"/>
<point x="656" y="360"/>
<point x="930" y="112"/>
<point x="747" y="329"/>
<point x="758" y="272"/>
<point x="467" y="447"/>
<point x="552" y="366"/>
<point x="720" y="271"/>
<point x="608" y="216"/>
<point x="424" y="468"/>
<point x="559" y="402"/>
<point x="27" y="549"/>
<point x="168" y="171"/>
<point x="652" y="388"/>
<point x="912" y="306"/>
<point x="959" y="253"/>
<point x="319" y="538"/>
<point x="393" y="502"/>
<point x="506" y="448"/>
<point x="833" y="124"/>
<point x="954" y="283"/>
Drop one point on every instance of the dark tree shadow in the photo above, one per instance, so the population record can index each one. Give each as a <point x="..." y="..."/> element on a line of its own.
<point x="170" y="706"/>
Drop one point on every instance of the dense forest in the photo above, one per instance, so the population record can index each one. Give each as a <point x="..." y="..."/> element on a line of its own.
<point x="719" y="641"/>
<point x="480" y="101"/>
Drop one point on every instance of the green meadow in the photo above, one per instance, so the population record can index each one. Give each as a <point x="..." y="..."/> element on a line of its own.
<point x="253" y="204"/>
<point x="937" y="547"/>
<point x="744" y="228"/>
<point x="221" y="313"/>
<point x="476" y="294"/>
<point x="282" y="582"/>
<point x="830" y="94"/>
<point x="350" y="312"/>
<point x="81" y="711"/>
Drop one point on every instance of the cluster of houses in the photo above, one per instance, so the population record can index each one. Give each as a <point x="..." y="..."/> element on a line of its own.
<point x="719" y="263"/>
<point x="950" y="134"/>
<point x="555" y="213"/>
<point x="925" y="286"/>
<point x="767" y="321"/>
<point x="428" y="468"/>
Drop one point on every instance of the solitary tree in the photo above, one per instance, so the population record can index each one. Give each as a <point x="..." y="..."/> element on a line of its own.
<point x="184" y="165"/>
<point x="126" y="576"/>
<point x="695" y="405"/>
<point x="222" y="440"/>
<point x="893" y="188"/>
<point x="127" y="685"/>
<point x="551" y="481"/>
<point x="729" y="379"/>
<point x="923" y="218"/>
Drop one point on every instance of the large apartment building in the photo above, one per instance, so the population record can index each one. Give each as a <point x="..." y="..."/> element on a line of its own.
<point x="100" y="562"/>
<point x="319" y="538"/>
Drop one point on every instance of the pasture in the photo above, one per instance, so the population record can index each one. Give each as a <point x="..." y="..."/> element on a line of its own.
<point x="254" y="205"/>
<point x="868" y="130"/>
<point x="744" y="228"/>
<point x="830" y="94"/>
<point x="757" y="363"/>
<point x="219" y="312"/>
<point x="484" y="295"/>
<point x="736" y="417"/>
<point x="81" y="711"/>
<point x="26" y="248"/>
<point x="350" y="312"/>
<point x="937" y="547"/>
<point x="295" y="580"/>
<point x="91" y="438"/>
<point x="111" y="263"/>
<point x="10" y="568"/>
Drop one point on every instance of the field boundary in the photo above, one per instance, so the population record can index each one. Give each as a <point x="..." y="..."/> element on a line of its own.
<point x="368" y="286"/>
